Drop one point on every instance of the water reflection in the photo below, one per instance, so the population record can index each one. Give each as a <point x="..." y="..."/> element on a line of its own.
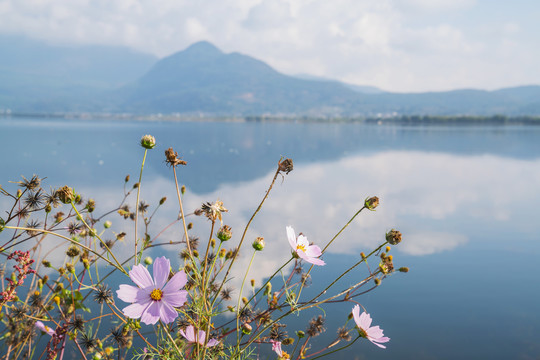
<point x="438" y="201"/>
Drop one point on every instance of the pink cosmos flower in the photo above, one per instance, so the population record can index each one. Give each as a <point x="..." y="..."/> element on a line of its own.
<point x="276" y="346"/>
<point x="41" y="326"/>
<point x="373" y="333"/>
<point x="190" y="336"/>
<point x="154" y="299"/>
<point x="301" y="246"/>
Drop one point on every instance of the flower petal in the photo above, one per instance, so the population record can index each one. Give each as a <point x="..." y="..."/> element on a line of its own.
<point x="135" y="310"/>
<point x="356" y="315"/>
<point x="302" y="241"/>
<point x="379" y="345"/>
<point x="212" y="342"/>
<point x="365" y="321"/>
<point x="162" y="266"/>
<point x="313" y="251"/>
<point x="375" y="332"/>
<point x="185" y="335"/>
<point x="309" y="259"/>
<point x="177" y="282"/>
<point x="140" y="276"/>
<point x="202" y="337"/>
<point x="167" y="312"/>
<point x="176" y="299"/>
<point x="150" y="315"/>
<point x="291" y="237"/>
<point x="128" y="293"/>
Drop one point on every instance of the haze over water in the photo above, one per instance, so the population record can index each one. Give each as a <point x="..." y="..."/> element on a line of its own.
<point x="465" y="199"/>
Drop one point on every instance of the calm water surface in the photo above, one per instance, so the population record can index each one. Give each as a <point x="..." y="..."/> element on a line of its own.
<point x="465" y="199"/>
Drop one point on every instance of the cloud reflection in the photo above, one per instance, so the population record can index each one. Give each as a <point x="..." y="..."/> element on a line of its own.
<point x="438" y="201"/>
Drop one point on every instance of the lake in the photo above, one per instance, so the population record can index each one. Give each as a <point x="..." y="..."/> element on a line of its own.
<point x="464" y="197"/>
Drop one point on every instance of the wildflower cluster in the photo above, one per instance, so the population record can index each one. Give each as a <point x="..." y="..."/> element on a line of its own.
<point x="56" y="307"/>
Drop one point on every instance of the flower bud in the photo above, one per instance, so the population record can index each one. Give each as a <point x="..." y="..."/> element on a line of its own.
<point x="190" y="226"/>
<point x="404" y="269"/>
<point x="148" y="260"/>
<point x="86" y="264"/>
<point x="288" y="341"/>
<point x="70" y="268"/>
<point x="107" y="224"/>
<point x="183" y="189"/>
<point x="393" y="237"/>
<point x="213" y="243"/>
<point x="2" y="224"/>
<point x="371" y="203"/>
<point x="245" y="300"/>
<point x="258" y="244"/>
<point x="268" y="289"/>
<point x="46" y="263"/>
<point x="252" y="282"/>
<point x="148" y="142"/>
<point x="224" y="233"/>
<point x="162" y="200"/>
<point x="127" y="178"/>
<point x="222" y="253"/>
<point x="300" y="334"/>
<point x="388" y="249"/>
<point x="48" y="208"/>
<point x="377" y="281"/>
<point x="246" y="329"/>
<point x="65" y="194"/>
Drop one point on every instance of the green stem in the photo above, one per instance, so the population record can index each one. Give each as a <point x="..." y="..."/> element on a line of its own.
<point x="240" y="298"/>
<point x="137" y="203"/>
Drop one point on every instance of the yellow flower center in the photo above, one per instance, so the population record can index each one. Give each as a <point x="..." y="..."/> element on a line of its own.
<point x="285" y="356"/>
<point x="301" y="247"/>
<point x="156" y="294"/>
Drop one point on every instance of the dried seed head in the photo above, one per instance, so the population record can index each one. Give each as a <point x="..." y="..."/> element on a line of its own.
<point x="172" y="159"/>
<point x="73" y="251"/>
<point x="65" y="194"/>
<point x="226" y="293"/>
<point x="316" y="326"/>
<point x="148" y="142"/>
<point x="393" y="237"/>
<point x="285" y="166"/>
<point x="32" y="184"/>
<point x="343" y="334"/>
<point x="103" y="294"/>
<point x="371" y="203"/>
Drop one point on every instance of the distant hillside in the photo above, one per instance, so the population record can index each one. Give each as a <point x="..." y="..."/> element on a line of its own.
<point x="41" y="78"/>
<point x="204" y="79"/>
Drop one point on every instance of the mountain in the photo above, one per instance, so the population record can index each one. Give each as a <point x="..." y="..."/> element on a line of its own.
<point x="36" y="77"/>
<point x="204" y="79"/>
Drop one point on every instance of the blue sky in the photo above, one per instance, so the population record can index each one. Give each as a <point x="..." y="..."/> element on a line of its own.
<point x="407" y="45"/>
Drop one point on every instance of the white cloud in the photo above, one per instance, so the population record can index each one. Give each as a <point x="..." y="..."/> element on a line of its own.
<point x="402" y="46"/>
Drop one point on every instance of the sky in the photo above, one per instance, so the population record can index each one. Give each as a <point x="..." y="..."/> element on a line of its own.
<point x="395" y="45"/>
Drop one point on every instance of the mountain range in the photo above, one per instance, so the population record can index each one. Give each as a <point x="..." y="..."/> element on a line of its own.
<point x="36" y="77"/>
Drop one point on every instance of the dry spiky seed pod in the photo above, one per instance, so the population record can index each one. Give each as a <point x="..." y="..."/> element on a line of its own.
<point x="172" y="159"/>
